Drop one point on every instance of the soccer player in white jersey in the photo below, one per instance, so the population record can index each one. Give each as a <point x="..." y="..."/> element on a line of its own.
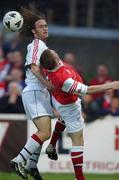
<point x="68" y="86"/>
<point x="35" y="95"/>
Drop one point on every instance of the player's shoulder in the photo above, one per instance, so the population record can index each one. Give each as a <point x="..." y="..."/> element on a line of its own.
<point x="67" y="70"/>
<point x="62" y="74"/>
<point x="36" y="43"/>
<point x="29" y="44"/>
<point x="39" y="42"/>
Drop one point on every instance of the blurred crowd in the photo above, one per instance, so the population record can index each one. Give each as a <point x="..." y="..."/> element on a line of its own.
<point x="12" y="83"/>
<point x="11" y="76"/>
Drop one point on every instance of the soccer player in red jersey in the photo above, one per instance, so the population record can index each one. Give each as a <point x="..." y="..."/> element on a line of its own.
<point x="68" y="86"/>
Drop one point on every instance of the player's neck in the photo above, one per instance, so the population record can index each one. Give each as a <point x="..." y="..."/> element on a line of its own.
<point x="36" y="37"/>
<point x="58" y="65"/>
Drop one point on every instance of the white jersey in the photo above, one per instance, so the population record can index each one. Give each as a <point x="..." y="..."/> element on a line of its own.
<point x="34" y="51"/>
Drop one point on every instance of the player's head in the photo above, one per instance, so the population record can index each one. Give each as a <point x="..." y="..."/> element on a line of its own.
<point x="49" y="59"/>
<point x="35" y="24"/>
<point x="102" y="70"/>
<point x="70" y="58"/>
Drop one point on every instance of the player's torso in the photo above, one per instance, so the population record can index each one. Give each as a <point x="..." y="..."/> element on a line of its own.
<point x="31" y="57"/>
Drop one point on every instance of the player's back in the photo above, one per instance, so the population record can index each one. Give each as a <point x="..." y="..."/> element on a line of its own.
<point x="58" y="78"/>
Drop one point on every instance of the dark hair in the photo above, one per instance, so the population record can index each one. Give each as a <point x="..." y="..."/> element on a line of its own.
<point x="47" y="60"/>
<point x="30" y="16"/>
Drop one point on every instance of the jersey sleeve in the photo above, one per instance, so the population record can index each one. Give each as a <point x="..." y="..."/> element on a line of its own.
<point x="72" y="86"/>
<point x="35" y="51"/>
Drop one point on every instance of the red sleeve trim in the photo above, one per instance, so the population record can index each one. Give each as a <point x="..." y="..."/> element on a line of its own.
<point x="72" y="89"/>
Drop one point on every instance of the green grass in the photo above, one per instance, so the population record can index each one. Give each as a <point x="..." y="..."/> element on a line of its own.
<point x="11" y="176"/>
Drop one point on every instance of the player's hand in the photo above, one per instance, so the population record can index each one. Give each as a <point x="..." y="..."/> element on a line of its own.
<point x="12" y="98"/>
<point x="50" y="86"/>
<point x="115" y="85"/>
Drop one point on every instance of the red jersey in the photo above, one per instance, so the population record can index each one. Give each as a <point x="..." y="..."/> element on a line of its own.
<point x="58" y="77"/>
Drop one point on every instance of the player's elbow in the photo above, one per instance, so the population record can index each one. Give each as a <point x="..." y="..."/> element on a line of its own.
<point x="34" y="68"/>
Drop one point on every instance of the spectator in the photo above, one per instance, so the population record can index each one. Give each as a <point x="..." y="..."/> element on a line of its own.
<point x="117" y="93"/>
<point x="4" y="69"/>
<point x="70" y="59"/>
<point x="101" y="78"/>
<point x="104" y="102"/>
<point x="10" y="57"/>
<point x="114" y="108"/>
<point x="12" y="102"/>
<point x="17" y="60"/>
<point x="17" y="76"/>
<point x="89" y="108"/>
<point x="13" y="44"/>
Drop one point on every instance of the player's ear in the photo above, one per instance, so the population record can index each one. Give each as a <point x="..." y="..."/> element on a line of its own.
<point x="33" y="31"/>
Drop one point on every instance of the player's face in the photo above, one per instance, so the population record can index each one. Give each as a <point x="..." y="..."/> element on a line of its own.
<point x="41" y="30"/>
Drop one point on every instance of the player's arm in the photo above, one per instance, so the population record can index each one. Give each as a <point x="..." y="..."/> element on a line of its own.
<point x="101" y="88"/>
<point x="39" y="74"/>
<point x="75" y="87"/>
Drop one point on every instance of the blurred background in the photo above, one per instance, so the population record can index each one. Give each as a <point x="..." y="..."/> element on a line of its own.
<point x="86" y="35"/>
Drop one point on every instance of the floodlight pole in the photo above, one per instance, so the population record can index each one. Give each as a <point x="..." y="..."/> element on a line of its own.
<point x="90" y="13"/>
<point x="72" y="12"/>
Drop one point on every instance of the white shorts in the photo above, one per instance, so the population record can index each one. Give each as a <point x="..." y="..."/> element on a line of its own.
<point x="36" y="104"/>
<point x="71" y="114"/>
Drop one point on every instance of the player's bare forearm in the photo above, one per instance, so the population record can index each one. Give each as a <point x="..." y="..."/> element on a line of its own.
<point x="96" y="88"/>
<point x="75" y="87"/>
<point x="101" y="88"/>
<point x="39" y="74"/>
<point x="36" y="71"/>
